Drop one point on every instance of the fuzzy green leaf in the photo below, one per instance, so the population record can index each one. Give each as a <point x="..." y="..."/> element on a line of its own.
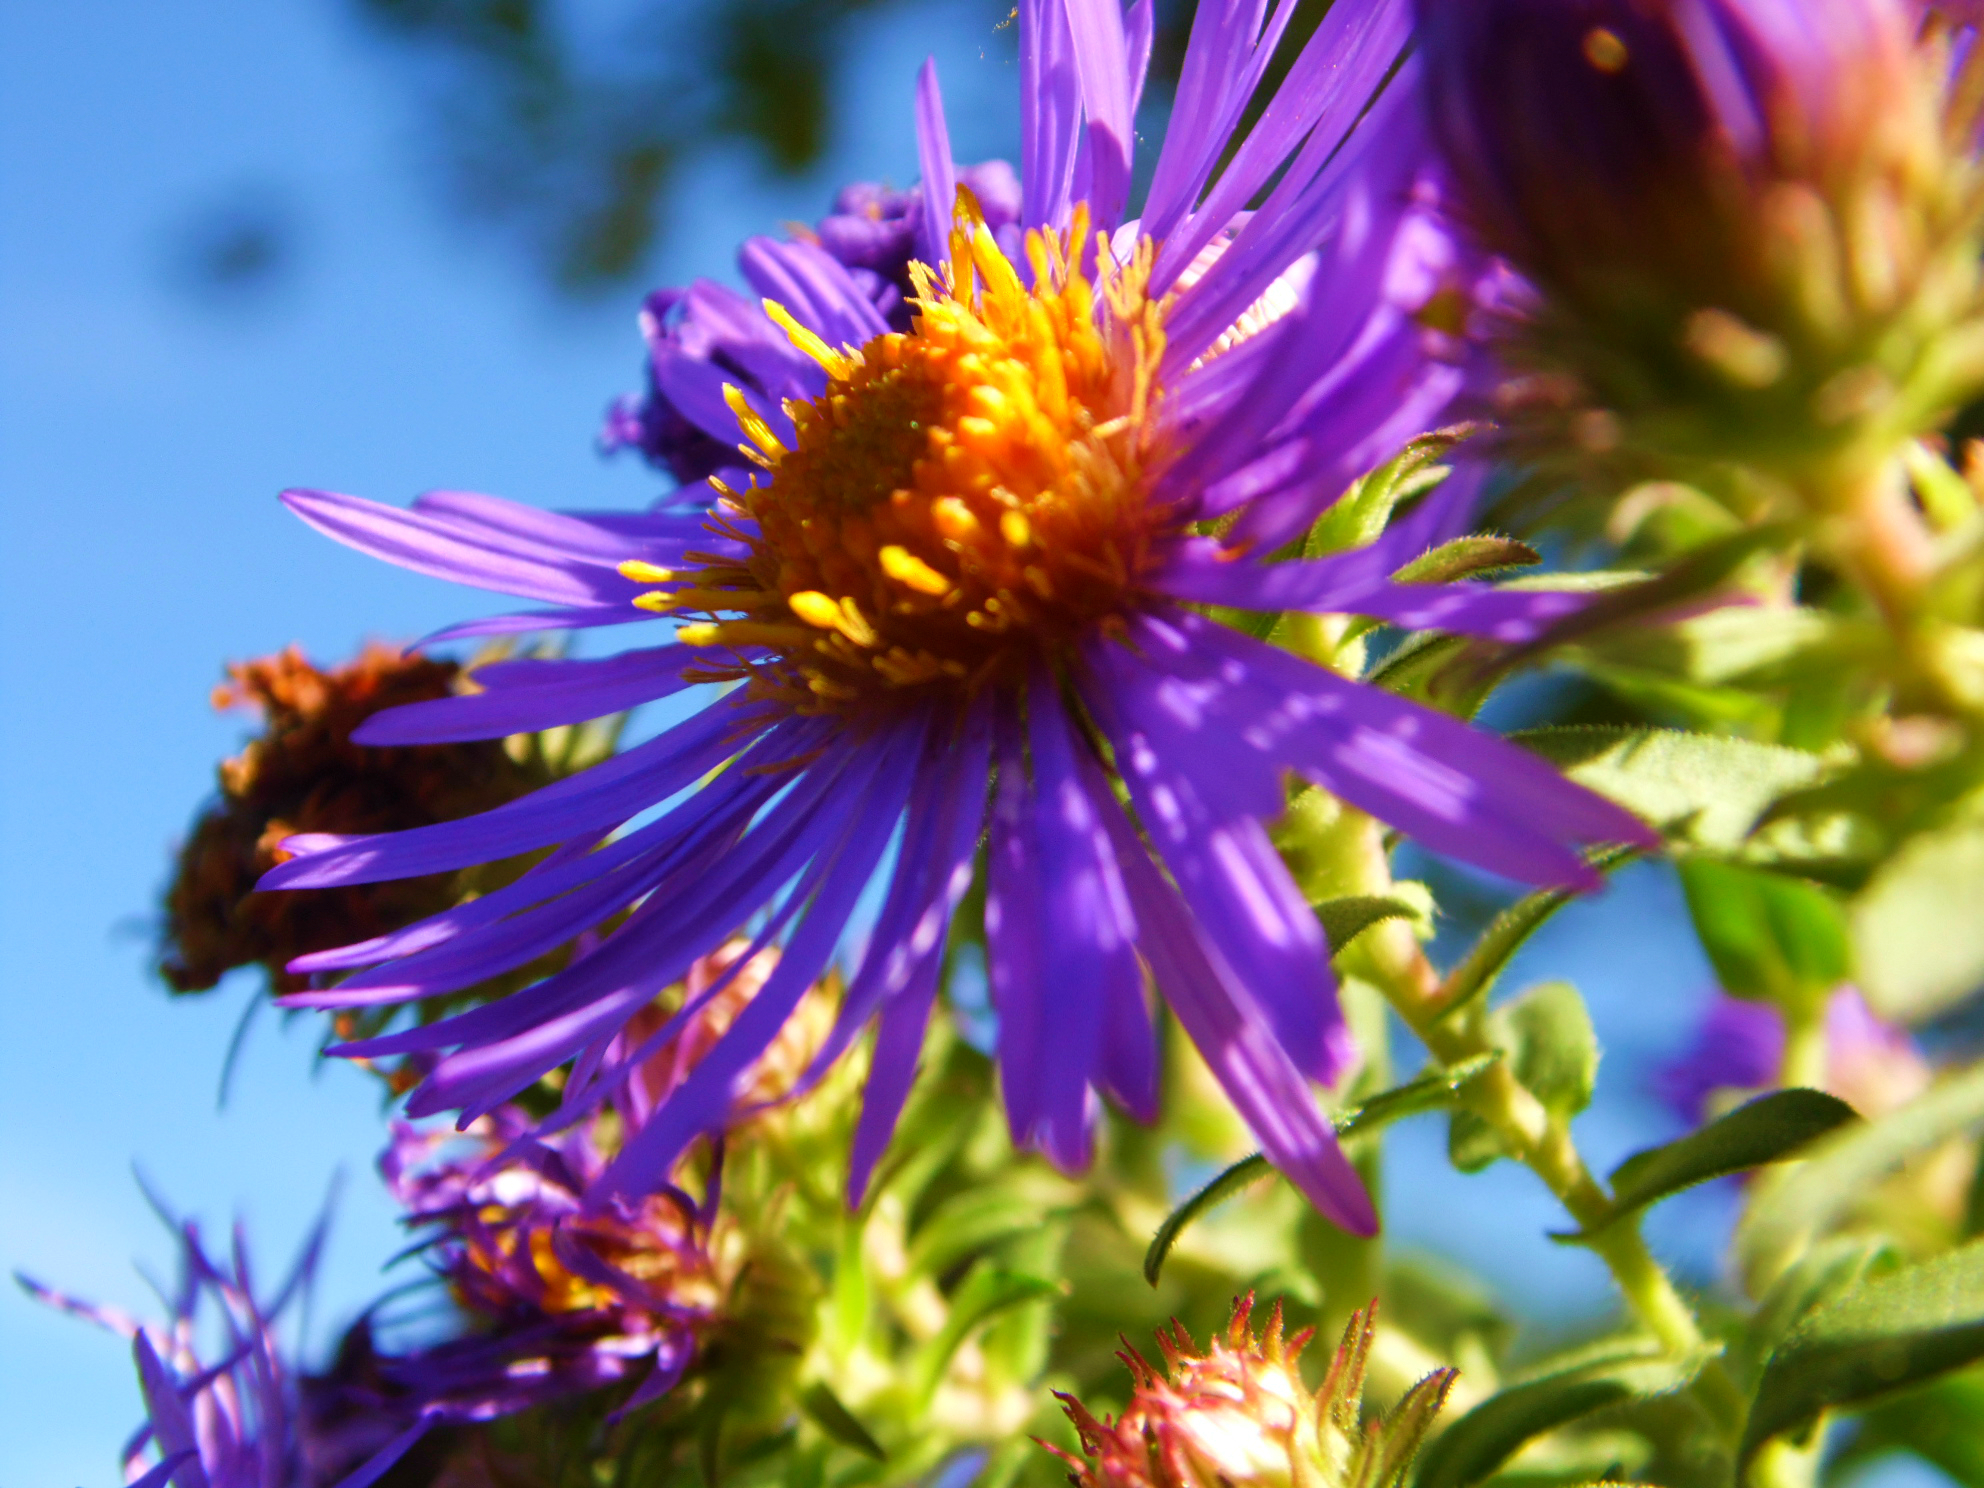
<point x="1700" y="790"/>
<point x="1478" y="1443"/>
<point x="1547" y="1033"/>
<point x="1942" y="1422"/>
<point x="1476" y="972"/>
<point x="1769" y="1129"/>
<point x="1347" y="918"/>
<point x="1917" y="927"/>
<point x="838" y="1421"/>
<point x="1794" y="1205"/>
<point x="1437" y="1087"/>
<point x="1769" y="937"/>
<point x="1467" y="557"/>
<point x="1888" y="1332"/>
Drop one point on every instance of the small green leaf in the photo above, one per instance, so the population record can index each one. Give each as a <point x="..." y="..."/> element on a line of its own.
<point x="1438" y="1087"/>
<point x="1697" y="789"/>
<point x="1467" y="557"/>
<point x="1792" y="1206"/>
<point x="1454" y="673"/>
<point x="1769" y="1129"/>
<point x="1816" y="1277"/>
<point x="1360" y="514"/>
<point x="980" y="1215"/>
<point x="986" y="1291"/>
<point x="1917" y="925"/>
<point x="1347" y="918"/>
<point x="1478" y="1443"/>
<point x="1888" y="1332"/>
<point x="1476" y="972"/>
<point x="838" y="1421"/>
<point x="1553" y="1050"/>
<point x="1769" y="937"/>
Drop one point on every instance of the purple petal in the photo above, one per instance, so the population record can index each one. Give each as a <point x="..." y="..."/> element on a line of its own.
<point x="933" y="150"/>
<point x="1050" y="111"/>
<point x="550" y="695"/>
<point x="1231" y="1033"/>
<point x="1102" y="65"/>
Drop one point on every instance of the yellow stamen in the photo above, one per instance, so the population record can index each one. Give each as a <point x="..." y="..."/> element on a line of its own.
<point x="646" y="573"/>
<point x="755" y="428"/>
<point x="834" y="363"/>
<point x="815" y="609"/>
<point x="655" y="601"/>
<point x="906" y="568"/>
<point x="701" y="634"/>
<point x="1015" y="529"/>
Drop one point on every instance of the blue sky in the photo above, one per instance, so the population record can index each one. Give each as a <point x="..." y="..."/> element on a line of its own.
<point x="143" y="437"/>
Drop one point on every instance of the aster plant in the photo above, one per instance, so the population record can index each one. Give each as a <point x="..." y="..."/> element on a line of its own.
<point x="1070" y="614"/>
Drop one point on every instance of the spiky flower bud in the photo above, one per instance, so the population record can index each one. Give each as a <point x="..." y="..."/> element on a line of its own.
<point x="1239" y="1416"/>
<point x="1752" y="225"/>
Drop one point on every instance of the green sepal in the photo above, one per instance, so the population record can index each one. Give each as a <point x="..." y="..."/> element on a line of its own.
<point x="1430" y="1091"/>
<point x="1770" y="937"/>
<point x="1475" y="1445"/>
<point x="826" y="1411"/>
<point x="1476" y="972"/>
<point x="1770" y="1129"/>
<point x="1888" y="1332"/>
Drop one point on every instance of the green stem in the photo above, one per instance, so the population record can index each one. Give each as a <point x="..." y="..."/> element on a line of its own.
<point x="1805" y="1055"/>
<point x="1530" y="1133"/>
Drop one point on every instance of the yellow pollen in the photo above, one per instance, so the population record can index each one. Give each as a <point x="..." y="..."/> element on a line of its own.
<point x="655" y="601"/>
<point x="906" y="568"/>
<point x="964" y="499"/>
<point x="645" y="573"/>
<point x="815" y="608"/>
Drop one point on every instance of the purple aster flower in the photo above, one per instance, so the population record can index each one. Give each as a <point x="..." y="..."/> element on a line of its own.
<point x="873" y="232"/>
<point x="1751" y="224"/>
<point x="954" y="597"/>
<point x="243" y="1417"/>
<point x="1872" y="1065"/>
<point x="562" y="1298"/>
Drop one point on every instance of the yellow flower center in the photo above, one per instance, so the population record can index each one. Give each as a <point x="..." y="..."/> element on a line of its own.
<point x="961" y="501"/>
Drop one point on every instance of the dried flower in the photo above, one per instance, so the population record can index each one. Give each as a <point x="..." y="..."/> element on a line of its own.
<point x="304" y="773"/>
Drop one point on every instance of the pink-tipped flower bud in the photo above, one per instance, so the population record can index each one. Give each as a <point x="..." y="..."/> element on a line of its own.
<point x="1238" y="1415"/>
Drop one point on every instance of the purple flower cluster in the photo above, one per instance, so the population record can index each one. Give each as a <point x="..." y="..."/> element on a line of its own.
<point x="243" y="1416"/>
<point x="970" y="559"/>
<point x="560" y="1298"/>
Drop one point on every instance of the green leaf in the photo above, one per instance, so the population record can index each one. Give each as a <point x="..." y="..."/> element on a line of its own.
<point x="1943" y="1423"/>
<point x="1467" y="557"/>
<point x="1917" y="925"/>
<point x="1454" y="673"/>
<point x="1437" y="1087"/>
<point x="1769" y="937"/>
<point x="1820" y="1274"/>
<point x="1478" y="1443"/>
<point x="981" y="1215"/>
<point x="1357" y="517"/>
<point x="1347" y="918"/>
<point x="1700" y="790"/>
<point x="1791" y="1207"/>
<point x="1770" y="1129"/>
<point x="838" y="1421"/>
<point x="1888" y="1332"/>
<point x="1553" y="1050"/>
<point x="986" y="1291"/>
<point x="1476" y="972"/>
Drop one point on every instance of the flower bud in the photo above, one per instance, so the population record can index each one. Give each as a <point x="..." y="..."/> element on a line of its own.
<point x="1751" y="226"/>
<point x="1239" y="1416"/>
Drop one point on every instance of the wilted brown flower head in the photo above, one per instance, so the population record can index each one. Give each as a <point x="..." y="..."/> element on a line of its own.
<point x="304" y="774"/>
<point x="1239" y="1416"/>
